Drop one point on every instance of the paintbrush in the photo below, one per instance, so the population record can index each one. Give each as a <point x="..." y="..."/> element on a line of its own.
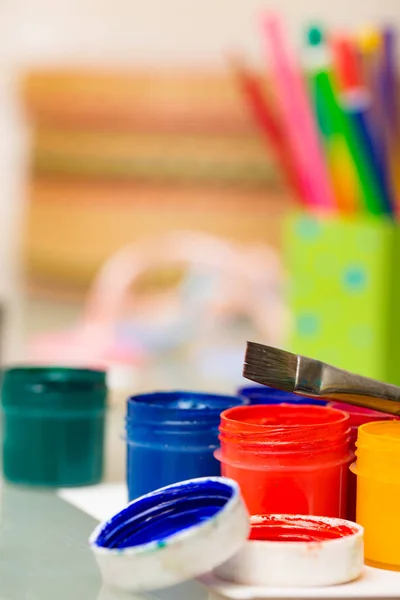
<point x="308" y="377"/>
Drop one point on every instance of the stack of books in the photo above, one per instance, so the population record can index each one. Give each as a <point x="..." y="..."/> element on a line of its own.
<point x="116" y="156"/>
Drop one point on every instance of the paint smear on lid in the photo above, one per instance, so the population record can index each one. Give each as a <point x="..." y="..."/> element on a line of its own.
<point x="290" y="528"/>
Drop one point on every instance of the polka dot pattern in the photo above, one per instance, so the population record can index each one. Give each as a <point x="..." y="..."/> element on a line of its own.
<point x="307" y="324"/>
<point x="338" y="291"/>
<point x="308" y="229"/>
<point x="355" y="278"/>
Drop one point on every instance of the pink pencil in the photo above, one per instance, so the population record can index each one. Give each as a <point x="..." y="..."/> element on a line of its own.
<point x="297" y="117"/>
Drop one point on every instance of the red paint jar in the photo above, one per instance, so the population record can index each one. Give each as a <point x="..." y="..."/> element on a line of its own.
<point x="358" y="416"/>
<point x="287" y="459"/>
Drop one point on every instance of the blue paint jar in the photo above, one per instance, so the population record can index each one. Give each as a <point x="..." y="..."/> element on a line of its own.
<point x="262" y="394"/>
<point x="171" y="437"/>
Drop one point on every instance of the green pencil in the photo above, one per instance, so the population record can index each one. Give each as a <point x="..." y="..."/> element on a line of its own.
<point x="355" y="103"/>
<point x="352" y="179"/>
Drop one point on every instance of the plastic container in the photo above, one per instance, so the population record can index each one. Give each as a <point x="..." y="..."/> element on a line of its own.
<point x="201" y="529"/>
<point x="53" y="425"/>
<point x="358" y="416"/>
<point x="378" y="492"/>
<point x="287" y="459"/>
<point x="171" y="535"/>
<point x="262" y="394"/>
<point x="277" y="553"/>
<point x="171" y="437"/>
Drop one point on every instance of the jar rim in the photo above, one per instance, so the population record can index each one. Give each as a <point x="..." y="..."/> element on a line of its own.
<point x="262" y="390"/>
<point x="359" y="411"/>
<point x="282" y="427"/>
<point x="187" y="401"/>
<point x="379" y="433"/>
<point x="54" y="373"/>
<point x="276" y="413"/>
<point x="36" y="388"/>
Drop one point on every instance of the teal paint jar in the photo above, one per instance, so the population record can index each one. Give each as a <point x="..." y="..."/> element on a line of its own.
<point x="53" y="425"/>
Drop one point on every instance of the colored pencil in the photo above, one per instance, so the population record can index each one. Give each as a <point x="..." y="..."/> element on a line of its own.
<point x="390" y="76"/>
<point x="297" y="117"/>
<point x="390" y="106"/>
<point x="355" y="102"/>
<point x="332" y="121"/>
<point x="265" y="116"/>
<point x="369" y="43"/>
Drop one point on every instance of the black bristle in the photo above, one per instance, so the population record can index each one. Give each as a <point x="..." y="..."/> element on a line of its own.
<point x="270" y="366"/>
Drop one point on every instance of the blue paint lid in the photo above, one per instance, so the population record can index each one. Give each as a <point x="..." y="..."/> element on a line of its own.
<point x="180" y="406"/>
<point x="263" y="394"/>
<point x="171" y="535"/>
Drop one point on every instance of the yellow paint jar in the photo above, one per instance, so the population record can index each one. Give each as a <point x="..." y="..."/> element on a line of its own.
<point x="378" y="492"/>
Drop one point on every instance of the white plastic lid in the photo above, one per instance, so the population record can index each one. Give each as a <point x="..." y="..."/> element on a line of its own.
<point x="190" y="529"/>
<point x="174" y="534"/>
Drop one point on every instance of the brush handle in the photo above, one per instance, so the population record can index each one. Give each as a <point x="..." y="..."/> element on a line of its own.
<point x="318" y="379"/>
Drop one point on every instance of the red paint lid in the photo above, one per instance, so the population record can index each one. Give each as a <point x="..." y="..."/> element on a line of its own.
<point x="295" y="528"/>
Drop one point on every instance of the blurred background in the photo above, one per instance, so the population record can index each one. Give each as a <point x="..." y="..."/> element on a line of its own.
<point x="141" y="209"/>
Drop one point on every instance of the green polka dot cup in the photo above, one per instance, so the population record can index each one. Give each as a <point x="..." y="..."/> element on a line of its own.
<point x="344" y="292"/>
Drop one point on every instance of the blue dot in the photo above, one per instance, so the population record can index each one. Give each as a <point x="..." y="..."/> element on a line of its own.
<point x="355" y="278"/>
<point x="308" y="229"/>
<point x="307" y="324"/>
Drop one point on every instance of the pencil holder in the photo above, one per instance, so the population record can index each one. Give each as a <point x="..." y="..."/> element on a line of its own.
<point x="344" y="292"/>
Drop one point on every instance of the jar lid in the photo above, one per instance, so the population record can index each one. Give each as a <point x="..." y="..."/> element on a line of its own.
<point x="54" y="374"/>
<point x="263" y="394"/>
<point x="38" y="386"/>
<point x="174" y="534"/>
<point x="178" y="405"/>
<point x="295" y="551"/>
<point x="200" y="529"/>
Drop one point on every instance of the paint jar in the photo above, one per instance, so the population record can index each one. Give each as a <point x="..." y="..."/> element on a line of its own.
<point x="53" y="425"/>
<point x="171" y="437"/>
<point x="296" y="551"/>
<point x="287" y="459"/>
<point x="358" y="416"/>
<point x="378" y="492"/>
<point x="262" y="394"/>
